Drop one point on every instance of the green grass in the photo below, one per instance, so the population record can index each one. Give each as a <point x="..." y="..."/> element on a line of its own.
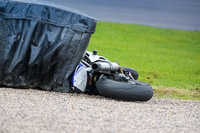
<point x="163" y="57"/>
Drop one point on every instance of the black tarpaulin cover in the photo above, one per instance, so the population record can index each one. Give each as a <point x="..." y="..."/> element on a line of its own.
<point x="41" y="44"/>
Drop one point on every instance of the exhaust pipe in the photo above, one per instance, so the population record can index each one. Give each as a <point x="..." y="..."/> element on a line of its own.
<point x="105" y="66"/>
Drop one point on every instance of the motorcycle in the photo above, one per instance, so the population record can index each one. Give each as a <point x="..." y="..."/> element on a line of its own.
<point x="97" y="75"/>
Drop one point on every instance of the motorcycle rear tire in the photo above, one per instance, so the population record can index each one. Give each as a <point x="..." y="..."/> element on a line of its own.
<point x="131" y="90"/>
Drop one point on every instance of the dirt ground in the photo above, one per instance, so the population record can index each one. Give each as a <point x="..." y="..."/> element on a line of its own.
<point x="28" y="110"/>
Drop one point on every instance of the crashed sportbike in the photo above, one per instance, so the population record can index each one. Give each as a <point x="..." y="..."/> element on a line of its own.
<point x="97" y="75"/>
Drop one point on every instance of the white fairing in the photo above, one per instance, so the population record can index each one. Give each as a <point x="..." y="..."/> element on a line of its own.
<point x="93" y="58"/>
<point x="80" y="78"/>
<point x="79" y="81"/>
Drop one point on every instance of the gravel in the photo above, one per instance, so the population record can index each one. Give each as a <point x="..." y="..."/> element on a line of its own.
<point x="28" y="110"/>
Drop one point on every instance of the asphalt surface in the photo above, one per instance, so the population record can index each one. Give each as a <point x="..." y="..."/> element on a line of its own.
<point x="178" y="14"/>
<point x="34" y="111"/>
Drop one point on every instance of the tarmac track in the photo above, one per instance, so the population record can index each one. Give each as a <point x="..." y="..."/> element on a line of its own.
<point x="177" y="14"/>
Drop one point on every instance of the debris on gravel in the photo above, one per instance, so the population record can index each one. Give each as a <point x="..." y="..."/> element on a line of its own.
<point x="28" y="110"/>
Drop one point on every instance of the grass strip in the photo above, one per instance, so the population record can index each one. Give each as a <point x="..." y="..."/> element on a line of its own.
<point x="165" y="58"/>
